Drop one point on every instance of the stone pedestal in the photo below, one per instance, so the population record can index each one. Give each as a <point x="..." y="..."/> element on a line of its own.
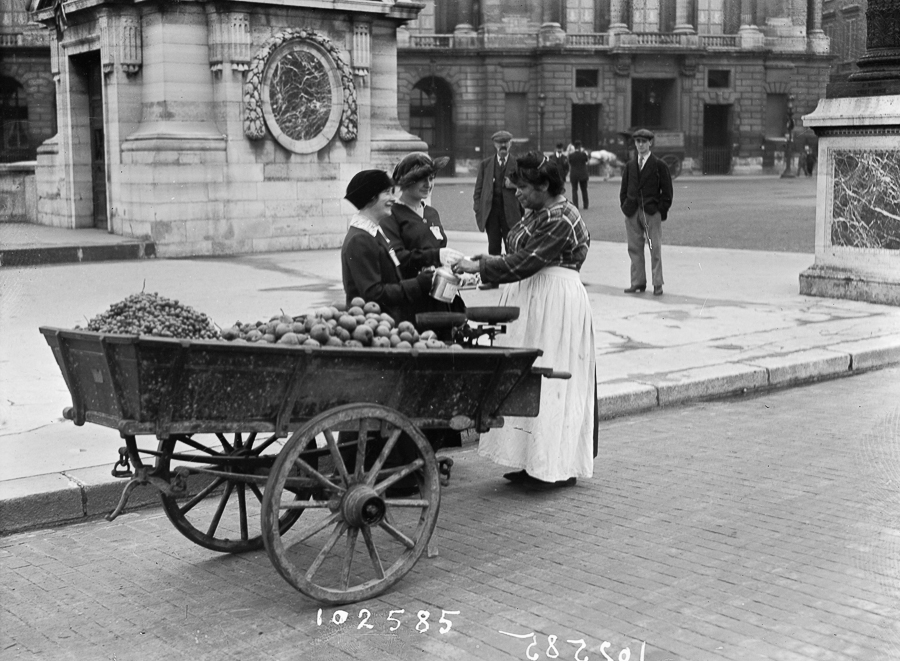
<point x="220" y="128"/>
<point x="858" y="200"/>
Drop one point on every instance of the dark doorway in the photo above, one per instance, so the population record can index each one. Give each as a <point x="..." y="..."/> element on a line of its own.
<point x="431" y="118"/>
<point x="654" y="103"/>
<point x="89" y="81"/>
<point x="716" y="139"/>
<point x="586" y="124"/>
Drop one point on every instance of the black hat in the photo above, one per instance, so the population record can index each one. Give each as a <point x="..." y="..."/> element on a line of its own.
<point x="643" y="133"/>
<point x="366" y="186"/>
<point x="416" y="166"/>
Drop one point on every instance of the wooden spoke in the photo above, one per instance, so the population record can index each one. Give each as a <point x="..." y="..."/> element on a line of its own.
<point x="326" y="549"/>
<point x="376" y="468"/>
<point x="200" y="496"/>
<point x="352" y="534"/>
<point x="381" y="487"/>
<point x="390" y="452"/>
<point x="396" y="534"/>
<point x="373" y="552"/>
<point x="207" y="514"/>
<point x="336" y="456"/>
<point x="217" y="517"/>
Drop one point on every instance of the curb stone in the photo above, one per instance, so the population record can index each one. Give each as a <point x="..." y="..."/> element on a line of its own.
<point x="81" y="494"/>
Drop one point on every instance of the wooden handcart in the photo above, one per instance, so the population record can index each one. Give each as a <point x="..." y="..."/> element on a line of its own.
<point x="321" y="455"/>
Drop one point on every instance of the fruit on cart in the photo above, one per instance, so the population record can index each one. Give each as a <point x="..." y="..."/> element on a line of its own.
<point x="151" y="314"/>
<point x="359" y="324"/>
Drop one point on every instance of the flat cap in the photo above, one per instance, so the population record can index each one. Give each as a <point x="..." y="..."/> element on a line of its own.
<point x="643" y="133"/>
<point x="502" y="136"/>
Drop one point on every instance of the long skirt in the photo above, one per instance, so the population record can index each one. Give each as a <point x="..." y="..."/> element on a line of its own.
<point x="555" y="316"/>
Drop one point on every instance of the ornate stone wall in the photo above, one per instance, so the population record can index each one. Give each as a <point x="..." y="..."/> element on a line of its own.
<point x="228" y="129"/>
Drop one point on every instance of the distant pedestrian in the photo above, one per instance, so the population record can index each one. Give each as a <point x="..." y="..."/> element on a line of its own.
<point x="496" y="206"/>
<point x="810" y="158"/>
<point x="578" y="164"/>
<point x="645" y="197"/>
<point x="562" y="161"/>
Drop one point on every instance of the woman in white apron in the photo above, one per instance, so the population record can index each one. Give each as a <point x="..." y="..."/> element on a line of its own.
<point x="546" y="251"/>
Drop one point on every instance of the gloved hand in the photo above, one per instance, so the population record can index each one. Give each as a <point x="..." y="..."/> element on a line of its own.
<point x="449" y="256"/>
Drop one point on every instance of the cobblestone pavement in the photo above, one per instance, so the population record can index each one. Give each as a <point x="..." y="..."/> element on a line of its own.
<point x="757" y="528"/>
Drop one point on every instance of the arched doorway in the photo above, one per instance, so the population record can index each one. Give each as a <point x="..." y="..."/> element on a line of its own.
<point x="431" y="118"/>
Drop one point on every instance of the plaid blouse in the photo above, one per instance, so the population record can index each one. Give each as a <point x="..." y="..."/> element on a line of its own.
<point x="555" y="236"/>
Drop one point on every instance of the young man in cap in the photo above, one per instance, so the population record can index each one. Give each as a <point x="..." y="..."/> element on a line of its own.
<point x="496" y="206"/>
<point x="645" y="197"/>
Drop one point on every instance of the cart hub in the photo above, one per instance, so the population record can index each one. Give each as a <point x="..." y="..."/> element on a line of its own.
<point x="362" y="505"/>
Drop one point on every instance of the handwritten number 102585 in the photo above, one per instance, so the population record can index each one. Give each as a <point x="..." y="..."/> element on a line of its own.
<point x="423" y="620"/>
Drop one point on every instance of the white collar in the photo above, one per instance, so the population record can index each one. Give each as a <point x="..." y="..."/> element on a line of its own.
<point x="366" y="224"/>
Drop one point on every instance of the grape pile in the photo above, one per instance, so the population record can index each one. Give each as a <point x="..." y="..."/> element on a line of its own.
<point x="152" y="314"/>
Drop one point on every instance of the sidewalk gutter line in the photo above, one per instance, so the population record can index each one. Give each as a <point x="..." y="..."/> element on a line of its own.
<point x="54" y="499"/>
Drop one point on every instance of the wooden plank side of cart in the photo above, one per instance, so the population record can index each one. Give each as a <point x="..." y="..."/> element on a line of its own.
<point x="149" y="385"/>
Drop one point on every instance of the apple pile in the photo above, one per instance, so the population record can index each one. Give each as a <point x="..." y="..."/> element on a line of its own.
<point x="360" y="324"/>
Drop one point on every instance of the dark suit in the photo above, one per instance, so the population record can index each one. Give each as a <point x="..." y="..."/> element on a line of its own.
<point x="562" y="162"/>
<point x="645" y="198"/>
<point x="496" y="206"/>
<point x="578" y="161"/>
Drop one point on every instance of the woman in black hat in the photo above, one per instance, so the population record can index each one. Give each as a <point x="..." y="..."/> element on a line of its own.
<point x="369" y="265"/>
<point x="414" y="227"/>
<point x="546" y="251"/>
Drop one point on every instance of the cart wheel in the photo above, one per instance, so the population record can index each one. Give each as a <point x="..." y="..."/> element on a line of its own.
<point x="224" y="513"/>
<point x="673" y="163"/>
<point x="320" y="556"/>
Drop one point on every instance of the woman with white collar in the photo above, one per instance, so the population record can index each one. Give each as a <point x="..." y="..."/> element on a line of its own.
<point x="369" y="265"/>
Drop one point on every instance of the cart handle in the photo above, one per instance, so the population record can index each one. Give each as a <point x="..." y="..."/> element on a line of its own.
<point x="550" y="373"/>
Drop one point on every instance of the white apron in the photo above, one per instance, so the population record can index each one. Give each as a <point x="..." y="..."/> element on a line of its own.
<point x="555" y="316"/>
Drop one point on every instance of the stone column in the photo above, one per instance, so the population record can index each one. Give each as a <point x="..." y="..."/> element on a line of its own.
<point x="682" y="22"/>
<point x="177" y="93"/>
<point x="882" y="58"/>
<point x="615" y="16"/>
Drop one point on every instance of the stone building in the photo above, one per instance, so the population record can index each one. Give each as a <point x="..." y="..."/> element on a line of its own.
<point x="844" y="22"/>
<point x="713" y="78"/>
<point x="213" y="128"/>
<point x="27" y="93"/>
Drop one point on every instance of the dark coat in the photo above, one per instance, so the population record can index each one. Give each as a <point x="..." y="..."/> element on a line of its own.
<point x="484" y="192"/>
<point x="578" y="161"/>
<point x="562" y="162"/>
<point x="413" y="239"/>
<point x="650" y="188"/>
<point x="368" y="271"/>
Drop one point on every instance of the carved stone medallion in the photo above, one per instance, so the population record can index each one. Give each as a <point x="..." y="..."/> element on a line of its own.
<point x="299" y="87"/>
<point x="301" y="96"/>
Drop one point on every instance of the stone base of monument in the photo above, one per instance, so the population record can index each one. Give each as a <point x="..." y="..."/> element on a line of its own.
<point x="857" y="201"/>
<point x="835" y="282"/>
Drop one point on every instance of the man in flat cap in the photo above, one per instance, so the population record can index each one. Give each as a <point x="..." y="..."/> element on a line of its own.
<point x="496" y="206"/>
<point x="645" y="197"/>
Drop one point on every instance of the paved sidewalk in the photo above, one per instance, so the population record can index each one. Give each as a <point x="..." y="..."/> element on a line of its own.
<point x="730" y="322"/>
<point x="750" y="529"/>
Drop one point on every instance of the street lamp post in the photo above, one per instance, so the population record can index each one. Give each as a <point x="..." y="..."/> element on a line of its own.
<point x="789" y="142"/>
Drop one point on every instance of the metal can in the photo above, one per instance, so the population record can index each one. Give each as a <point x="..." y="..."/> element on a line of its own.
<point x="444" y="285"/>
